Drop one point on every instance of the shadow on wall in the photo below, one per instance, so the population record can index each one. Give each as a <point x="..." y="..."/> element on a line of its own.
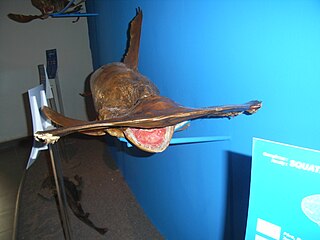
<point x="121" y="147"/>
<point x="116" y="150"/>
<point x="238" y="178"/>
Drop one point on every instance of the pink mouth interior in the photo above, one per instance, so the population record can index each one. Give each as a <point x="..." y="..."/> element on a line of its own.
<point x="153" y="137"/>
<point x="151" y="140"/>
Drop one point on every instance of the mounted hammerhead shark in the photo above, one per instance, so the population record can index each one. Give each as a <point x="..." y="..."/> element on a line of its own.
<point x="47" y="8"/>
<point x="129" y="105"/>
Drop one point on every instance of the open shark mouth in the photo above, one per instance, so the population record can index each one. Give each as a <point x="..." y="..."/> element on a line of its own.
<point x="150" y="140"/>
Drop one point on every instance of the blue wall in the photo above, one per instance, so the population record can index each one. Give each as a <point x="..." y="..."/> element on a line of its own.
<point x="202" y="53"/>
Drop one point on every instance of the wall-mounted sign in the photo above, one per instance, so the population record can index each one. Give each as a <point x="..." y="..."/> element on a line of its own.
<point x="284" y="192"/>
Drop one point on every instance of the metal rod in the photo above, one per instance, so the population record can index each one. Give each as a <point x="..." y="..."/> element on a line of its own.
<point x="66" y="7"/>
<point x="64" y="15"/>
<point x="62" y="200"/>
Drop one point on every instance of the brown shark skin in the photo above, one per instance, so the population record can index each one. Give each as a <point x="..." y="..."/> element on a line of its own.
<point x="159" y="115"/>
<point x="125" y="99"/>
<point x="116" y="89"/>
<point x="155" y="115"/>
<point x="49" y="6"/>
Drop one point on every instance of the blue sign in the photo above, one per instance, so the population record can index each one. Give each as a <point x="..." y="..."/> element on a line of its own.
<point x="284" y="192"/>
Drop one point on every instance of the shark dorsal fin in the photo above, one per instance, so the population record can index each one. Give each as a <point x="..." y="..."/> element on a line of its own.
<point x="131" y="58"/>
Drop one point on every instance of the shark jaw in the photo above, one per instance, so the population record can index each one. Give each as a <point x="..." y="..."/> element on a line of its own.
<point x="150" y="140"/>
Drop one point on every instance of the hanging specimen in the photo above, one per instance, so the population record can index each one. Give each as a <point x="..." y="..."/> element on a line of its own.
<point x="129" y="105"/>
<point x="51" y="8"/>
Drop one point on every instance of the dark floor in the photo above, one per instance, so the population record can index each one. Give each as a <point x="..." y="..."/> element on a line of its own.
<point x="13" y="157"/>
<point x="105" y="195"/>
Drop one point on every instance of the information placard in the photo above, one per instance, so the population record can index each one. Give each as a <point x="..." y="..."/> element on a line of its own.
<point x="284" y="192"/>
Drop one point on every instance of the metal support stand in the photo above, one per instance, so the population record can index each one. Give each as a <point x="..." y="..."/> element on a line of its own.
<point x="38" y="99"/>
<point x="62" y="200"/>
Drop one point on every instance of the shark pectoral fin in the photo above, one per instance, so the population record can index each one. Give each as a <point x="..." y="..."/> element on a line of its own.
<point x="23" y="18"/>
<point x="233" y="110"/>
<point x="64" y="121"/>
<point x="93" y="133"/>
